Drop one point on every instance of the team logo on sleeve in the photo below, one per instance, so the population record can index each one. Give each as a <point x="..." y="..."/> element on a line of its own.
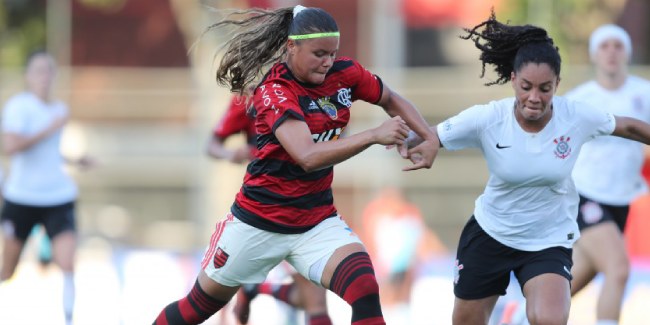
<point x="220" y="258"/>
<point x="562" y="147"/>
<point x="327" y="107"/>
<point x="447" y="125"/>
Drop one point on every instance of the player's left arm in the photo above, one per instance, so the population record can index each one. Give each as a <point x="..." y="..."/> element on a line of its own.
<point x="633" y="129"/>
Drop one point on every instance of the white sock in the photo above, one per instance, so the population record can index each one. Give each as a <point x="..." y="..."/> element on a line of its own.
<point x="607" y="322"/>
<point x="68" y="296"/>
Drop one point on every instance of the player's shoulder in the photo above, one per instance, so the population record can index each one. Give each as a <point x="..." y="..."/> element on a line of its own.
<point x="488" y="114"/>
<point x="18" y="102"/>
<point x="279" y="80"/>
<point x="19" y="98"/>
<point x="584" y="90"/>
<point x="639" y="83"/>
<point x="279" y="74"/>
<point x="570" y="110"/>
<point x="496" y="109"/>
<point x="344" y="63"/>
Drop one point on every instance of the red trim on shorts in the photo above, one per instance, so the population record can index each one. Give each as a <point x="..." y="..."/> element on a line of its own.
<point x="215" y="239"/>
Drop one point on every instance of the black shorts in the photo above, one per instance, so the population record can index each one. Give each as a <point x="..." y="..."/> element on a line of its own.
<point x="591" y="213"/>
<point x="18" y="219"/>
<point x="483" y="265"/>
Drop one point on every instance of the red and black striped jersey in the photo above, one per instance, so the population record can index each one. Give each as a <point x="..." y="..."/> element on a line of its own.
<point x="236" y="120"/>
<point x="277" y="194"/>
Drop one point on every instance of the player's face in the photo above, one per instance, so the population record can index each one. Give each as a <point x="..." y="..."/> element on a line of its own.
<point x="534" y="85"/>
<point x="610" y="57"/>
<point x="40" y="74"/>
<point x="311" y="59"/>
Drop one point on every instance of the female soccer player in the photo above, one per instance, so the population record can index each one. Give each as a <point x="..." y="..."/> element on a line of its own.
<point x="285" y="208"/>
<point x="525" y="220"/>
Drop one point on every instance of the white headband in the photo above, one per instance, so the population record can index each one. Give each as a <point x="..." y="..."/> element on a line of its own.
<point x="606" y="32"/>
<point x="297" y="9"/>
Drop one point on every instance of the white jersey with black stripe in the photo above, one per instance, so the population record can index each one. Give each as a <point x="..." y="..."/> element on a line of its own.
<point x="530" y="202"/>
<point x="609" y="168"/>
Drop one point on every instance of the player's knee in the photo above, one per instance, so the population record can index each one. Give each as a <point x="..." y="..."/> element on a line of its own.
<point x="7" y="271"/>
<point x="547" y="317"/>
<point x="618" y="273"/>
<point x="315" y="299"/>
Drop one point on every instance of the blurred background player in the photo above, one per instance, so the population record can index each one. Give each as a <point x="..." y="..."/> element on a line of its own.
<point x="37" y="190"/>
<point x="300" y="293"/>
<point x="608" y="172"/>
<point x="398" y="242"/>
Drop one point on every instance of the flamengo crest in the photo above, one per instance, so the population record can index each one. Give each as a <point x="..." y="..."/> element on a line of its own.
<point x="220" y="258"/>
<point x="344" y="97"/>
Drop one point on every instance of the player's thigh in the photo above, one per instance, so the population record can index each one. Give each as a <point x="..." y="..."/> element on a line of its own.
<point x="312" y="252"/>
<point x="64" y="246"/>
<point x="239" y="253"/>
<point x="604" y="245"/>
<point x="18" y="220"/>
<point x="473" y="311"/>
<point x="59" y="219"/>
<point x="583" y="269"/>
<point x="548" y="299"/>
<point x="314" y="296"/>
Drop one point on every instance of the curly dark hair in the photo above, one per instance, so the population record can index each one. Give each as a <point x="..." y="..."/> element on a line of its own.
<point x="508" y="48"/>
<point x="261" y="41"/>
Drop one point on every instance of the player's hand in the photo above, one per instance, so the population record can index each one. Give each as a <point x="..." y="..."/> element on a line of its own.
<point x="241" y="155"/>
<point x="422" y="155"/>
<point x="391" y="132"/>
<point x="57" y="123"/>
<point x="84" y="162"/>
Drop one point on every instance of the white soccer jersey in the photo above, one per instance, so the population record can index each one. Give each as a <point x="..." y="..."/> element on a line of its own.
<point x="530" y="202"/>
<point x="36" y="176"/>
<point x="609" y="168"/>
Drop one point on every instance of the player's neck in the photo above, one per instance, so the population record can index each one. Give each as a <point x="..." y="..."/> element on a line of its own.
<point x="44" y="96"/>
<point x="611" y="81"/>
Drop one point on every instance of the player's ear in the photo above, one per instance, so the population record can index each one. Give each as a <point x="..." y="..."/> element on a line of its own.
<point x="291" y="47"/>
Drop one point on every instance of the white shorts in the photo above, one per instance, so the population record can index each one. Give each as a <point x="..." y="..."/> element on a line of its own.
<point x="239" y="253"/>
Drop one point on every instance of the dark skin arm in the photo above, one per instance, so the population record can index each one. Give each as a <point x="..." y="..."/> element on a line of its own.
<point x="626" y="127"/>
<point x="633" y="129"/>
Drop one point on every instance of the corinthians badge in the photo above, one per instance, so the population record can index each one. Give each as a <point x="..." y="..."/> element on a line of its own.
<point x="562" y="148"/>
